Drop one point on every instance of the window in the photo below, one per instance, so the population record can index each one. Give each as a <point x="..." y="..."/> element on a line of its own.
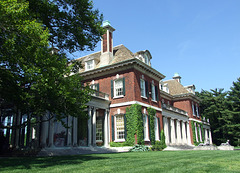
<point x="99" y="136"/>
<point x="197" y="113"/>
<point x="145" y="123"/>
<point x="94" y="86"/>
<point x="118" y="88"/>
<point x="120" y="132"/>
<point x="146" y="59"/>
<point x="89" y="65"/>
<point x="153" y="93"/>
<point x="193" y="110"/>
<point x="143" y="88"/>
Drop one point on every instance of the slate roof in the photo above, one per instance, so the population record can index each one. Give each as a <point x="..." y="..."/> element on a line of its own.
<point x="176" y="88"/>
<point x="120" y="53"/>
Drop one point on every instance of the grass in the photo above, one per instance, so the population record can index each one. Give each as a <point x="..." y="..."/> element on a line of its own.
<point x="165" y="161"/>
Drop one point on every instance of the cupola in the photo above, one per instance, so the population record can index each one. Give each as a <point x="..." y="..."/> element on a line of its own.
<point x="107" y="44"/>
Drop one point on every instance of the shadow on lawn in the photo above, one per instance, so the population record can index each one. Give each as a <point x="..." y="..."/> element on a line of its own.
<point x="44" y="162"/>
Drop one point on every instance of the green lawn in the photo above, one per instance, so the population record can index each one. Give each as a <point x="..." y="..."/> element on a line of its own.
<point x="162" y="161"/>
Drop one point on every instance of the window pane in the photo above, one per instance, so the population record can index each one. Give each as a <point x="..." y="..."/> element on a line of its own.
<point x="142" y="85"/>
<point x="99" y="130"/>
<point x="118" y="87"/>
<point x="153" y="93"/>
<point x="120" y="126"/>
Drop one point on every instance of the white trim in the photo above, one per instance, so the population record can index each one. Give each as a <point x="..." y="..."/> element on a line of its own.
<point x="191" y="119"/>
<point x="134" y="102"/>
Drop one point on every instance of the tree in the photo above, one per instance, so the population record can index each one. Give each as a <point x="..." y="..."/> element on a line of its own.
<point x="33" y="79"/>
<point x="233" y="113"/>
<point x="213" y="106"/>
<point x="73" y="24"/>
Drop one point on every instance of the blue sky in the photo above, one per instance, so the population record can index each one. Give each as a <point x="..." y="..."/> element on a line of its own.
<point x="199" y="39"/>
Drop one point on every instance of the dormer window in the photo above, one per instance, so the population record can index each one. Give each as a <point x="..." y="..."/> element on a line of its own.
<point x="89" y="65"/>
<point x="146" y="59"/>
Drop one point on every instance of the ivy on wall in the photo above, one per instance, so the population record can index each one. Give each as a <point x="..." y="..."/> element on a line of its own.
<point x="198" y="133"/>
<point x="134" y="125"/>
<point x="151" y="114"/>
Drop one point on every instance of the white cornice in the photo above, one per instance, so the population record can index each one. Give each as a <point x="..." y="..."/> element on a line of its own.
<point x="123" y="65"/>
<point x="134" y="102"/>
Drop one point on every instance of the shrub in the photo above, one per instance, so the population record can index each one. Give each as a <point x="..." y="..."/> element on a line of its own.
<point x="139" y="148"/>
<point x="118" y="144"/>
<point x="158" y="146"/>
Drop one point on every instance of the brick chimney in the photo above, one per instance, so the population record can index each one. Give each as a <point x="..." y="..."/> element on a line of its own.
<point x="177" y="77"/>
<point x="107" y="44"/>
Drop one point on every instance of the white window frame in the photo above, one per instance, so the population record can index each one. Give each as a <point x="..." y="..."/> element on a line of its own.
<point x="154" y="98"/>
<point x="145" y="127"/>
<point x="146" y="59"/>
<point x="116" y="131"/>
<point x="115" y="88"/>
<point x="89" y="66"/>
<point x="197" y="110"/>
<point x="143" y="88"/>
<point x="193" y="109"/>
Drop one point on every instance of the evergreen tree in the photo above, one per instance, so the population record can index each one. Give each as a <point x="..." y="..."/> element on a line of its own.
<point x="233" y="114"/>
<point x="214" y="106"/>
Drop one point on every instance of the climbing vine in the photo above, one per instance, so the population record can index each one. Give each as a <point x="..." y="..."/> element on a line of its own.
<point x="134" y="124"/>
<point x="152" y="113"/>
<point x="198" y="132"/>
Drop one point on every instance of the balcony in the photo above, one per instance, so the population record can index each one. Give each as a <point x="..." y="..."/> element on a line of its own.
<point x="174" y="109"/>
<point x="100" y="95"/>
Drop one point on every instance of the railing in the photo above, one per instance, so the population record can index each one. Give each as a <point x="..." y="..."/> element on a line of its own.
<point x="100" y="94"/>
<point x="205" y="120"/>
<point x="174" y="109"/>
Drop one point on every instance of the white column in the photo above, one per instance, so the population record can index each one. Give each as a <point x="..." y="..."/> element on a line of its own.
<point x="89" y="127"/>
<point x="184" y="137"/>
<point x="173" y="136"/>
<point x="210" y="136"/>
<point x="44" y="130"/>
<point x="196" y="131"/>
<point x="69" y="130"/>
<point x="75" y="131"/>
<point x="51" y="133"/>
<point x="206" y="135"/>
<point x="200" y="133"/>
<point x="178" y="132"/>
<point x="167" y="134"/>
<point x="106" y="143"/>
<point x="188" y="134"/>
<point x="94" y="125"/>
<point x="165" y="129"/>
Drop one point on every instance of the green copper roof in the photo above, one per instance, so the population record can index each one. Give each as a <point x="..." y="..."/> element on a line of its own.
<point x="176" y="75"/>
<point x="106" y="23"/>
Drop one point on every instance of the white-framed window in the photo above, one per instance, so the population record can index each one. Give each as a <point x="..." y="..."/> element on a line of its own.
<point x="153" y="93"/>
<point x="197" y="110"/>
<point x="89" y="65"/>
<point x="143" y="88"/>
<point x="99" y="135"/>
<point x="118" y="88"/>
<point x="119" y="128"/>
<point x="94" y="86"/>
<point x="145" y="128"/>
<point x="146" y="59"/>
<point x="193" y="110"/>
